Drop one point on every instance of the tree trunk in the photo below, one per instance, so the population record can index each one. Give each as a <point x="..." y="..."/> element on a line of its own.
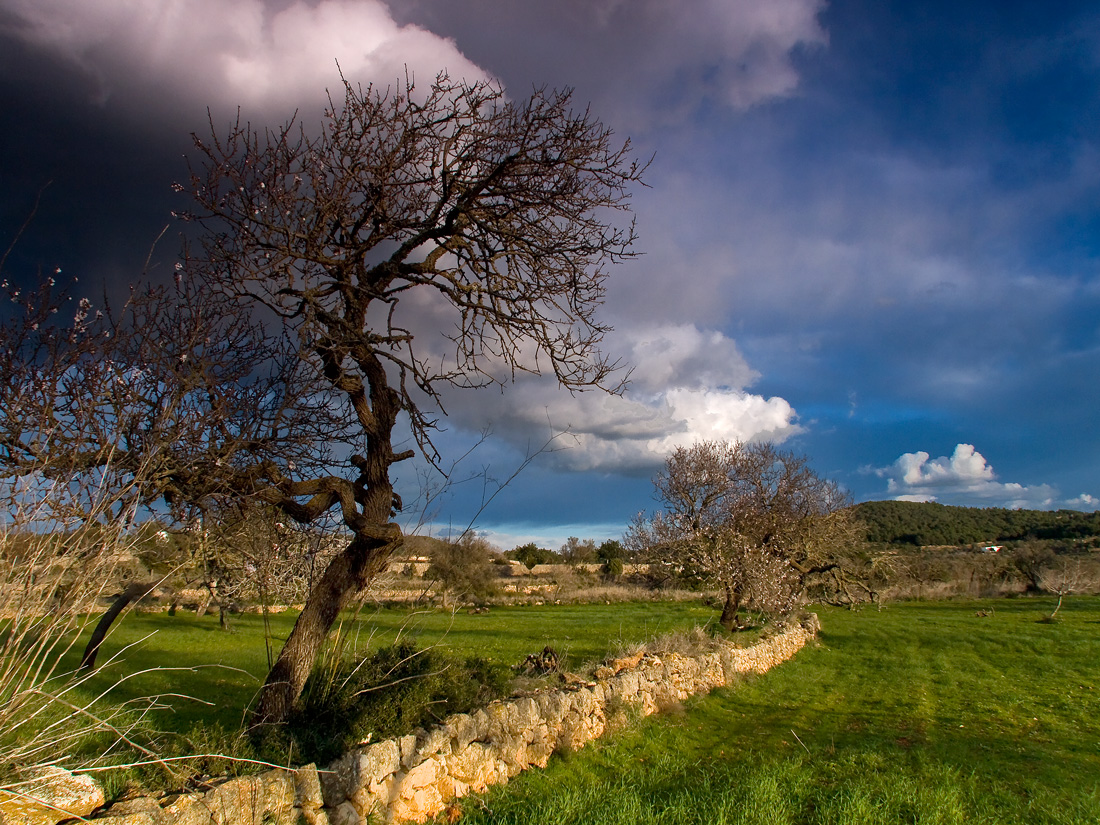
<point x="1057" y="607"/>
<point x="345" y="576"/>
<point x="730" y="620"/>
<point x="135" y="592"/>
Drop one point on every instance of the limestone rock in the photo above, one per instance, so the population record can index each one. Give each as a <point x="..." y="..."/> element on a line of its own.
<point x="237" y="801"/>
<point x="357" y="769"/>
<point x="307" y="787"/>
<point x="53" y="794"/>
<point x="345" y="814"/>
<point x="135" y="818"/>
<point x="141" y="811"/>
<point x="406" y="745"/>
<point x="414" y="777"/>
<point x="465" y="728"/>
<point x="419" y="805"/>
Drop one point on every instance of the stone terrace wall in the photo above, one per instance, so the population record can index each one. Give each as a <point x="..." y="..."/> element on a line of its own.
<point x="414" y="777"/>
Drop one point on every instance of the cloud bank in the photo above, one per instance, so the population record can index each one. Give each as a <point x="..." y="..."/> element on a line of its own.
<point x="736" y="52"/>
<point x="687" y="384"/>
<point x="246" y="52"/>
<point x="966" y="476"/>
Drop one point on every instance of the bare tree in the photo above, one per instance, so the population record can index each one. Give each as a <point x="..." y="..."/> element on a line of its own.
<point x="153" y="403"/>
<point x="1065" y="577"/>
<point x="750" y="519"/>
<point x="464" y="567"/>
<point x="577" y="551"/>
<point x="453" y="210"/>
<point x="64" y="521"/>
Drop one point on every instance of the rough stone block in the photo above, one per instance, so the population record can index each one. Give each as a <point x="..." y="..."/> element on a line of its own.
<point x="463" y="730"/>
<point x="527" y="712"/>
<point x="136" y="818"/>
<point x="276" y="796"/>
<point x="406" y="745"/>
<point x="307" y="787"/>
<point x="358" y="769"/>
<point x="539" y="753"/>
<point x="424" y="774"/>
<point x="552" y="706"/>
<point x="237" y="801"/>
<point x="419" y="806"/>
<point x="335" y="779"/>
<point x="377" y="762"/>
<point x="144" y="810"/>
<point x="51" y="789"/>
<point x="186" y="809"/>
<point x="344" y="814"/>
<point x="503" y="720"/>
<point x="375" y="797"/>
<point x="475" y="765"/>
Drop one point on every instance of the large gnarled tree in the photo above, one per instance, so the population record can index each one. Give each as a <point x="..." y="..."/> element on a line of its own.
<point x="422" y="239"/>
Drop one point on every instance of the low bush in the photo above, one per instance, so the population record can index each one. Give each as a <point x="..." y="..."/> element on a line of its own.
<point x="393" y="691"/>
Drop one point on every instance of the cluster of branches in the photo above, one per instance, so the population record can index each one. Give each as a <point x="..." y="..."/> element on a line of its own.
<point x="750" y="519"/>
<point x="275" y="369"/>
<point x="493" y="213"/>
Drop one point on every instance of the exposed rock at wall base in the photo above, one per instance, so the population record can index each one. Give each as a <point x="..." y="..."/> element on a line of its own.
<point x="48" y="797"/>
<point x="415" y="777"/>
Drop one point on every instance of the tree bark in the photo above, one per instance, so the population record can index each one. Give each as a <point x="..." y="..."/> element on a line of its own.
<point x="730" y="620"/>
<point x="345" y="576"/>
<point x="135" y="592"/>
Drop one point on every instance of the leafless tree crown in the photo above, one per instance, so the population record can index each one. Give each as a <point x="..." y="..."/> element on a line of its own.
<point x="499" y="210"/>
<point x="749" y="518"/>
<point x="420" y="240"/>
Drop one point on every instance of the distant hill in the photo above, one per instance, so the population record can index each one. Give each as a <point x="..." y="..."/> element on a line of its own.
<point x="920" y="524"/>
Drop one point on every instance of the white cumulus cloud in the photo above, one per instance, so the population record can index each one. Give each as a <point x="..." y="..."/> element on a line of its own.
<point x="964" y="476"/>
<point x="245" y="52"/>
<point x="1084" y="502"/>
<point x="687" y="384"/>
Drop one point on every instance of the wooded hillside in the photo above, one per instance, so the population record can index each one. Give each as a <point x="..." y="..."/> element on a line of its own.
<point x="921" y="524"/>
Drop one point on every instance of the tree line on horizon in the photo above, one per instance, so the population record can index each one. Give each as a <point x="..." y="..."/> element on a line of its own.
<point x="923" y="524"/>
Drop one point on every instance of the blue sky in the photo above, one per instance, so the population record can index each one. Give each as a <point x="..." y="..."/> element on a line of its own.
<point x="871" y="230"/>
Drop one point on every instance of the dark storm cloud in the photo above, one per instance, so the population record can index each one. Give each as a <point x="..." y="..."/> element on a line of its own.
<point x="872" y="228"/>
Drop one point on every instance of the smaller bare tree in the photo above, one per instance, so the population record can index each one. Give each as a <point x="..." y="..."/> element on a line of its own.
<point x="65" y="525"/>
<point x="1066" y="577"/>
<point x="464" y="568"/>
<point x="748" y="518"/>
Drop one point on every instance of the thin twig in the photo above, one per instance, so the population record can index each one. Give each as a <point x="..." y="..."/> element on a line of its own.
<point x="803" y="744"/>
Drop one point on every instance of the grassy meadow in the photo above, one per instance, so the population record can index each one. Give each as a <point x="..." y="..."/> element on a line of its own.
<point x="924" y="712"/>
<point x="929" y="712"/>
<point x="210" y="675"/>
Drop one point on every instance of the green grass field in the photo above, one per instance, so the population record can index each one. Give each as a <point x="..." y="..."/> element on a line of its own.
<point x="221" y="671"/>
<point x="923" y="713"/>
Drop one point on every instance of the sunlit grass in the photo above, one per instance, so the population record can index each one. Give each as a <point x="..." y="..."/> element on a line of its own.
<point x="192" y="656"/>
<point x="922" y="713"/>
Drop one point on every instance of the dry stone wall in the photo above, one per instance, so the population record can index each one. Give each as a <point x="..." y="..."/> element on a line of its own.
<point x="414" y="777"/>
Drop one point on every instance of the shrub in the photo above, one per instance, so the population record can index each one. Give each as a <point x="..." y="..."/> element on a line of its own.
<point x="612" y="568"/>
<point x="531" y="554"/>
<point x="464" y="568"/>
<point x="391" y="692"/>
